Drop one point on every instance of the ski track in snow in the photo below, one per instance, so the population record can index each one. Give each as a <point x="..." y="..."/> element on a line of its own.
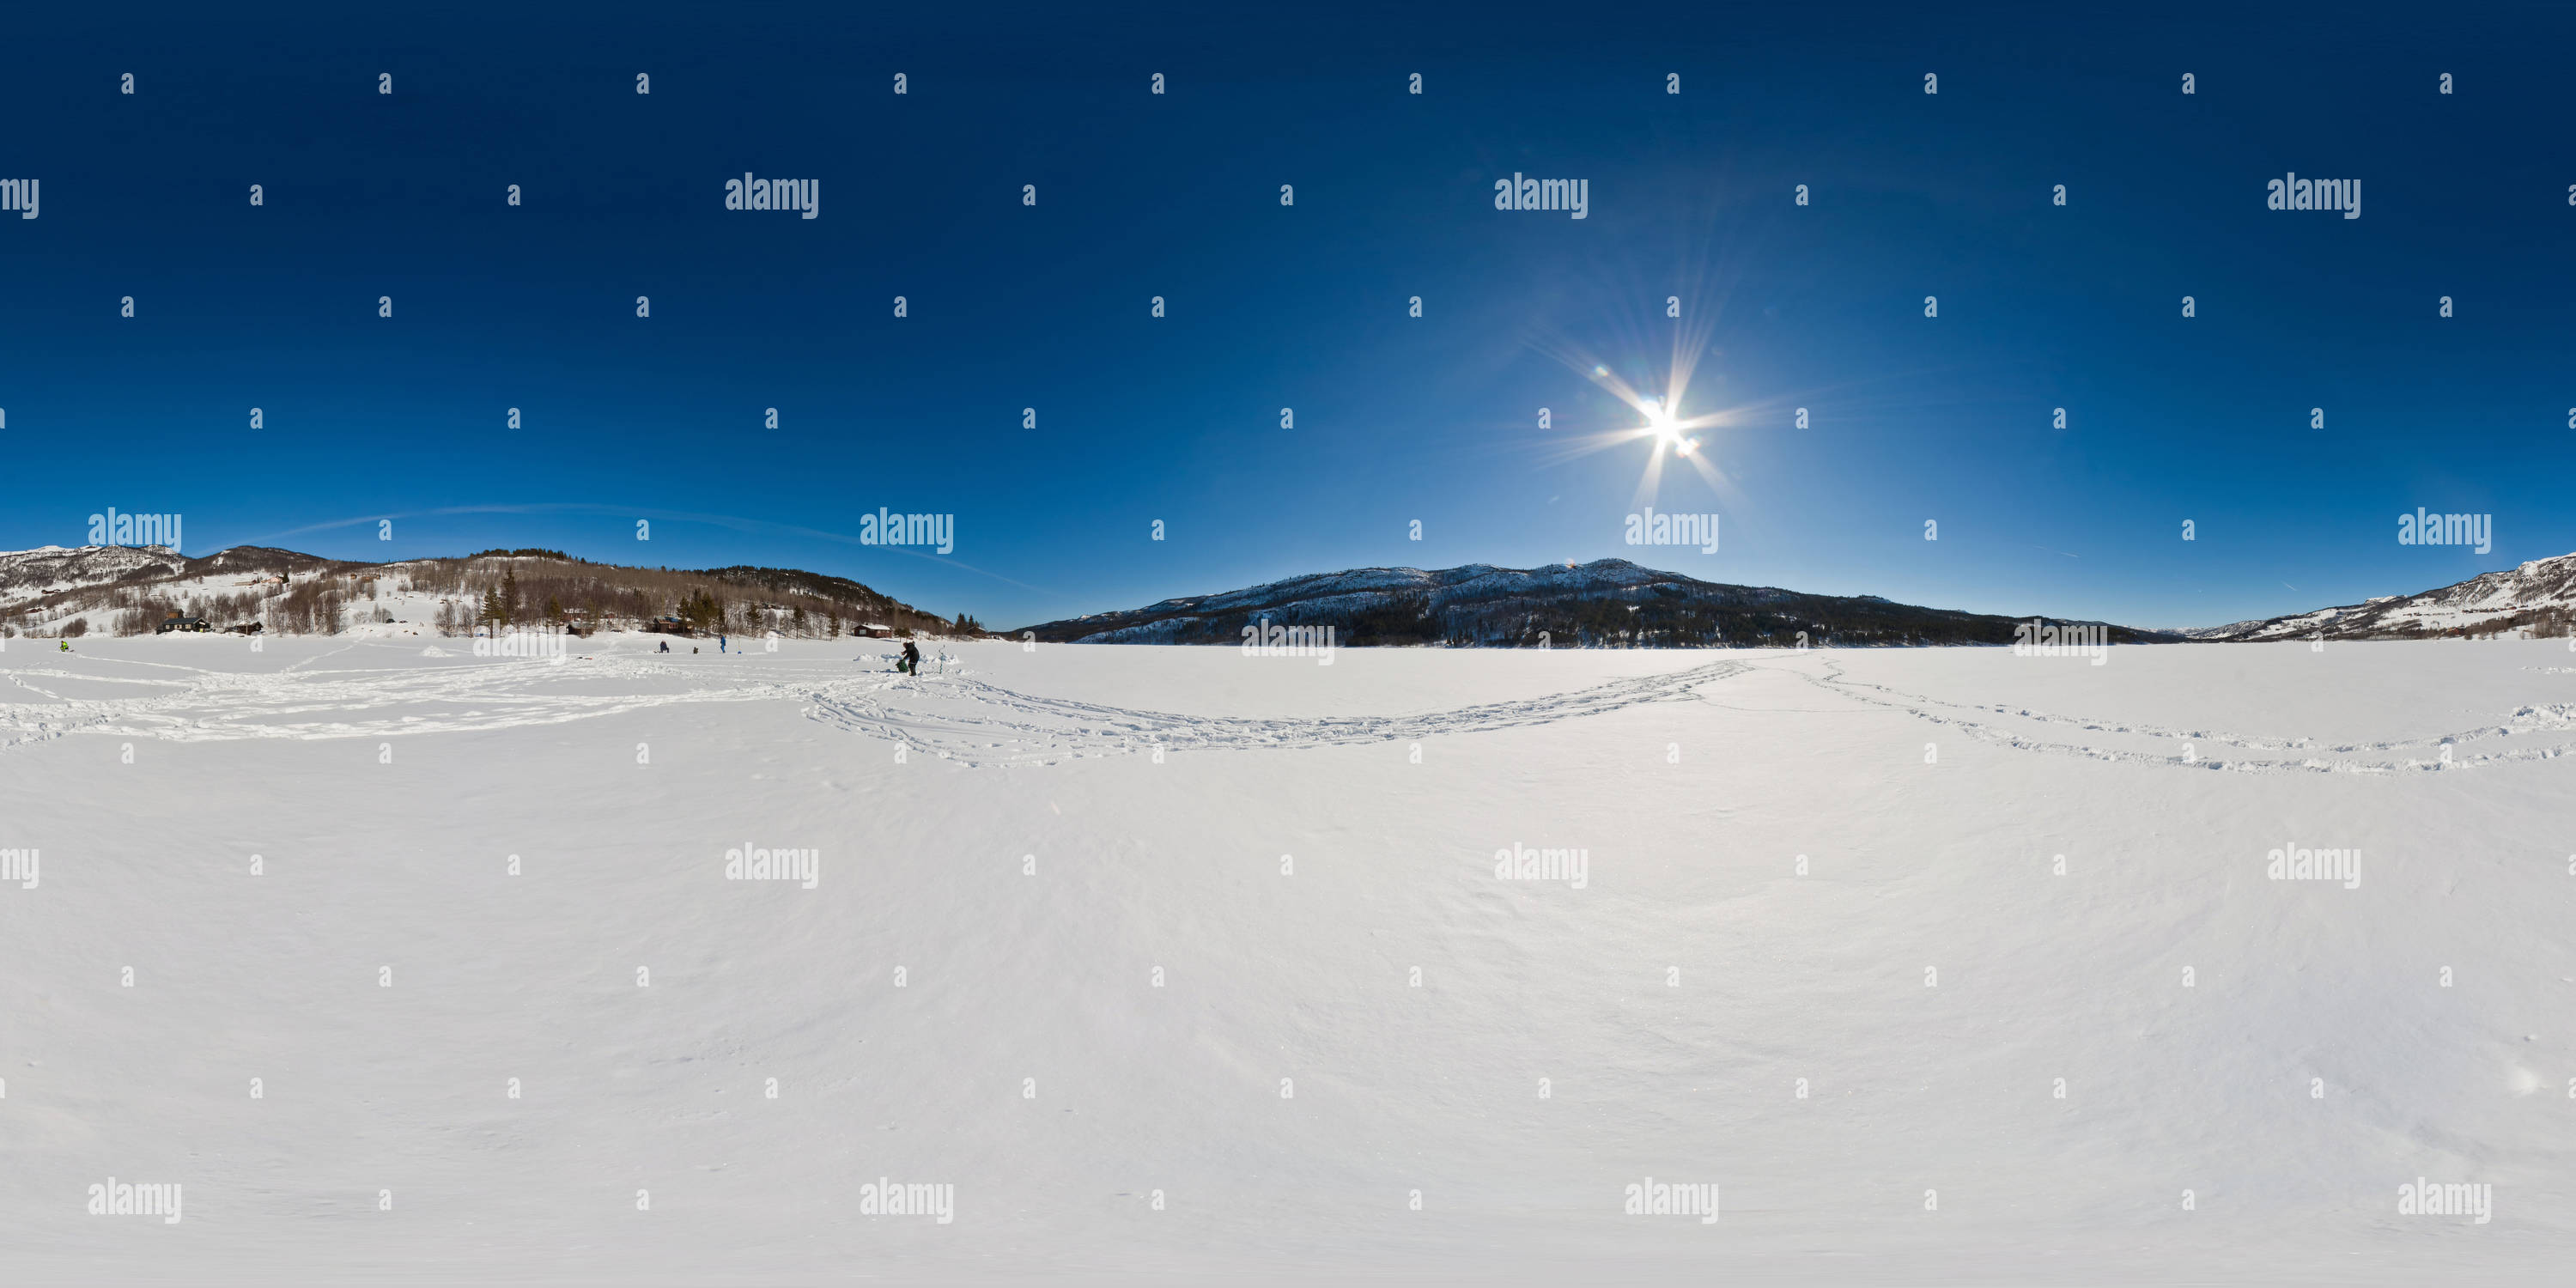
<point x="979" y="724"/>
<point x="2286" y="755"/>
<point x="958" y="718"/>
<point x="302" y="701"/>
<point x="950" y="716"/>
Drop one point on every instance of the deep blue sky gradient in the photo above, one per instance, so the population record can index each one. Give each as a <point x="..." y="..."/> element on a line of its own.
<point x="1397" y="419"/>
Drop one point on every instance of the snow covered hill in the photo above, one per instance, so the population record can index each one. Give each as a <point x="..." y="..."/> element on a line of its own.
<point x="2538" y="597"/>
<point x="1608" y="601"/>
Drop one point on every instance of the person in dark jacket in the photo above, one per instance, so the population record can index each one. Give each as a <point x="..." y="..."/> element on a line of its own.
<point x="911" y="663"/>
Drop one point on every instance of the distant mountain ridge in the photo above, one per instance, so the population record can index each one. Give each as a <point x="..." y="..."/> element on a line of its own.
<point x="127" y="590"/>
<point x="1608" y="602"/>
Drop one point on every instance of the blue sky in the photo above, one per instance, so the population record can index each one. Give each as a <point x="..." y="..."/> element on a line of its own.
<point x="1397" y="418"/>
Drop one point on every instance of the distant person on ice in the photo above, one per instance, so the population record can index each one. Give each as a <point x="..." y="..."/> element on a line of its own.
<point x="911" y="661"/>
<point x="720" y="643"/>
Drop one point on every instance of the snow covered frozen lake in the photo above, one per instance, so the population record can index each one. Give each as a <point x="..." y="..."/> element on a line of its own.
<point x="1168" y="963"/>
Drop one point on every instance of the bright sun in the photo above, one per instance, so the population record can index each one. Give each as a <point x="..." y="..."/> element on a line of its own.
<point x="1667" y="430"/>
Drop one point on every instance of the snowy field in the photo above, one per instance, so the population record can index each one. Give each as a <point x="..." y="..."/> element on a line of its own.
<point x="1180" y="965"/>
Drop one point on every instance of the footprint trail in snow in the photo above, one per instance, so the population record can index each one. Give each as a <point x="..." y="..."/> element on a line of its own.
<point x="969" y="721"/>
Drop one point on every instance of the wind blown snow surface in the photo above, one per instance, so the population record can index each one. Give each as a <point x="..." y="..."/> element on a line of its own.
<point x="1180" y="964"/>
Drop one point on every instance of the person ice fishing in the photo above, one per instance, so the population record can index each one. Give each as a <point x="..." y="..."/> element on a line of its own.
<point x="666" y="646"/>
<point x="911" y="663"/>
<point x="720" y="643"/>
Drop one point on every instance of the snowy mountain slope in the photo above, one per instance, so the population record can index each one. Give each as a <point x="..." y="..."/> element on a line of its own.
<point x="1605" y="601"/>
<point x="56" y="575"/>
<point x="2539" y="596"/>
<point x="2217" y="632"/>
<point x="27" y="575"/>
<point x="32" y="574"/>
